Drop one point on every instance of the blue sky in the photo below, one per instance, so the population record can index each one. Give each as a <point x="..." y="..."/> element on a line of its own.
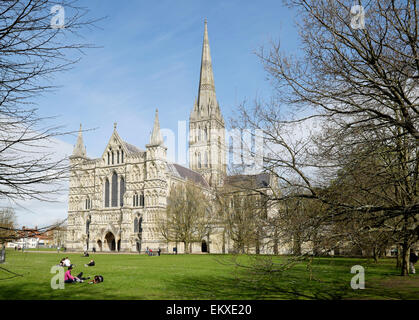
<point x="149" y="57"/>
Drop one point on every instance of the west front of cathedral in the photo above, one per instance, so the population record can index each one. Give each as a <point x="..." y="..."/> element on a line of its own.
<point x="115" y="200"/>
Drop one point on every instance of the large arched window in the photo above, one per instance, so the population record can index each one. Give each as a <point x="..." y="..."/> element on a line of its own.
<point x="142" y="199"/>
<point x="135" y="225"/>
<point x="107" y="193"/>
<point x="121" y="191"/>
<point x="88" y="224"/>
<point x="114" y="190"/>
<point x="219" y="152"/>
<point x="199" y="159"/>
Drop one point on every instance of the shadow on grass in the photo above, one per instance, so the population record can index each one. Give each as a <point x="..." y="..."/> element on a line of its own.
<point x="215" y="288"/>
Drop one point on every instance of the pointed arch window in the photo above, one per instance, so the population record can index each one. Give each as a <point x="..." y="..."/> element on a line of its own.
<point x="122" y="156"/>
<point x="142" y="199"/>
<point x="113" y="157"/>
<point x="117" y="156"/>
<point x="88" y="204"/>
<point x="199" y="159"/>
<point x="135" y="225"/>
<point x="107" y="193"/>
<point x="109" y="158"/>
<point x="219" y="152"/>
<point x="206" y="159"/>
<point x="114" y="190"/>
<point x="88" y="224"/>
<point x="121" y="191"/>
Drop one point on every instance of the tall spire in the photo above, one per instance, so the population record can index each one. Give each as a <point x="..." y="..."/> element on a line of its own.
<point x="207" y="100"/>
<point x="79" y="148"/>
<point x="156" y="137"/>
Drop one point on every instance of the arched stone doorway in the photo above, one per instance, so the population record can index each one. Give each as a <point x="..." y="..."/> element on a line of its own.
<point x="99" y="244"/>
<point x="204" y="247"/>
<point x="110" y="240"/>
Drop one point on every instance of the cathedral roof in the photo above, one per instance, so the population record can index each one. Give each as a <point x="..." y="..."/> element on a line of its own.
<point x="187" y="174"/>
<point x="261" y="180"/>
<point x="133" y="149"/>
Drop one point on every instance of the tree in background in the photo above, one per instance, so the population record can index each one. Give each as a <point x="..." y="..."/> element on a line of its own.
<point x="361" y="84"/>
<point x="7" y="225"/>
<point x="37" y="38"/>
<point x="187" y="218"/>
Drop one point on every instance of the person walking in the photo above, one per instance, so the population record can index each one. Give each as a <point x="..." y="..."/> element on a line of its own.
<point x="159" y="251"/>
<point x="412" y="259"/>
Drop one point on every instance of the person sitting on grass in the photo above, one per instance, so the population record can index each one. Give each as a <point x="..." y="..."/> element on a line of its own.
<point x="69" y="278"/>
<point x="61" y="264"/>
<point x="67" y="262"/>
<point x="90" y="264"/>
<point x="85" y="254"/>
<point x="97" y="279"/>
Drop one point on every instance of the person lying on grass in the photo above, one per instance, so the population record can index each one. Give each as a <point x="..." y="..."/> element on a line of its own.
<point x="67" y="262"/>
<point x="61" y="264"/>
<point x="90" y="264"/>
<point x="69" y="278"/>
<point x="97" y="279"/>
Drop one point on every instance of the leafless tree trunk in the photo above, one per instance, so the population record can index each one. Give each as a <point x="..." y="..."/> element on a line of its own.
<point x="187" y="218"/>
<point x="361" y="86"/>
<point x="36" y="38"/>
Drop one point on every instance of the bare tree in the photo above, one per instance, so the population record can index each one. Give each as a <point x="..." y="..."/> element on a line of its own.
<point x="36" y="39"/>
<point x="361" y="83"/>
<point x="188" y="217"/>
<point x="242" y="214"/>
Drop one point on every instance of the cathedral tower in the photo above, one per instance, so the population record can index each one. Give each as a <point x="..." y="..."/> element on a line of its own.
<point x="207" y="154"/>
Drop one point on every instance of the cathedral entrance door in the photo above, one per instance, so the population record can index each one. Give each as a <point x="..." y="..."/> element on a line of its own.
<point x="204" y="247"/>
<point x="110" y="239"/>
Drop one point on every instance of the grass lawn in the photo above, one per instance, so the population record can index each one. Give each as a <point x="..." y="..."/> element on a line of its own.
<point x="197" y="277"/>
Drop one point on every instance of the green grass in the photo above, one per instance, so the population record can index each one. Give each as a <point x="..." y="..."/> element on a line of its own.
<point x="197" y="277"/>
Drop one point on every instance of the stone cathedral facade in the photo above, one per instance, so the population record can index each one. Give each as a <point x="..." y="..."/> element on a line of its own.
<point x="114" y="200"/>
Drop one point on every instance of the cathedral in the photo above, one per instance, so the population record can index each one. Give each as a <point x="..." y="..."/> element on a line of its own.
<point x="114" y="200"/>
